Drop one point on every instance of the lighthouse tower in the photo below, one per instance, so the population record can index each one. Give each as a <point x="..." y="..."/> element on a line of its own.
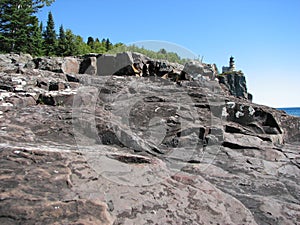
<point x="231" y="64"/>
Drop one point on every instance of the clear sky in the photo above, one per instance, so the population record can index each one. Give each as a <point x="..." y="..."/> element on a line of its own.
<point x="262" y="35"/>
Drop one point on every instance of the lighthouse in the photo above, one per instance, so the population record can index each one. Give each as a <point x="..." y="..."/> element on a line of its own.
<point x="231" y="64"/>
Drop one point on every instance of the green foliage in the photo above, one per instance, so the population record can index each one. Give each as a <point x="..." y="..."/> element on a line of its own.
<point x="50" y="36"/>
<point x="108" y="45"/>
<point x="90" y="42"/>
<point x="36" y="43"/>
<point x="15" y="25"/>
<point x="71" y="48"/>
<point x="97" y="47"/>
<point x="82" y="47"/>
<point x="61" y="42"/>
<point x="41" y="3"/>
<point x="20" y="31"/>
<point x="239" y="72"/>
<point x="162" y="51"/>
<point x="161" y="54"/>
<point x="18" y="24"/>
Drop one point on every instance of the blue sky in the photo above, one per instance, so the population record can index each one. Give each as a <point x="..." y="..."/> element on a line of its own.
<point x="262" y="35"/>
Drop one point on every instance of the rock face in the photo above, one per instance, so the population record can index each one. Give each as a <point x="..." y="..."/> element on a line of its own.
<point x="12" y="62"/>
<point x="112" y="64"/>
<point x="235" y="83"/>
<point x="86" y="149"/>
<point x="196" y="68"/>
<point x="89" y="65"/>
<point x="58" y="64"/>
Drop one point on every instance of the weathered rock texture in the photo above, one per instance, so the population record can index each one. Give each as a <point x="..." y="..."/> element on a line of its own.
<point x="84" y="149"/>
<point x="235" y="83"/>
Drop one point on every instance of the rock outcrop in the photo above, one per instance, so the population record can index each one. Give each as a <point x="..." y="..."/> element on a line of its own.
<point x="86" y="149"/>
<point x="235" y="83"/>
<point x="197" y="69"/>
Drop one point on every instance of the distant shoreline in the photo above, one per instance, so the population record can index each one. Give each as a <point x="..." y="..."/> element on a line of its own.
<point x="294" y="111"/>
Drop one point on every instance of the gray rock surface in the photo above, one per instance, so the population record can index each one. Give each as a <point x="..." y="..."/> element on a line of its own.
<point x="235" y="83"/>
<point x="83" y="149"/>
<point x="196" y="68"/>
<point x="111" y="64"/>
<point x="12" y="62"/>
<point x="58" y="64"/>
<point x="89" y="65"/>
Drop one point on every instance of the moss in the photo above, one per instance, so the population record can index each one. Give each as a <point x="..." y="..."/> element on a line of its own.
<point x="232" y="72"/>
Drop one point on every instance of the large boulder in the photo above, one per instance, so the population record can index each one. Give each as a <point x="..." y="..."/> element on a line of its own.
<point x="113" y="64"/>
<point x="250" y="119"/>
<point x="70" y="65"/>
<point x="52" y="64"/>
<point x="128" y="63"/>
<point x="89" y="64"/>
<point x="110" y="64"/>
<point x="196" y="68"/>
<point x="13" y="62"/>
<point x="58" y="64"/>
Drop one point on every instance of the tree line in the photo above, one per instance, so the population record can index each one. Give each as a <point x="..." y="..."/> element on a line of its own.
<point x="21" y="31"/>
<point x="66" y="43"/>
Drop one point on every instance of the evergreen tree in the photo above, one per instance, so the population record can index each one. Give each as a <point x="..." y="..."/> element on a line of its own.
<point x="82" y="47"/>
<point x="38" y="4"/>
<point x="62" y="42"/>
<point x="17" y="23"/>
<point x="36" y="42"/>
<point x="90" y="42"/>
<point x="71" y="48"/>
<point x="162" y="51"/>
<point x="14" y="34"/>
<point x="108" y="45"/>
<point x="41" y="26"/>
<point x="99" y="46"/>
<point x="50" y="36"/>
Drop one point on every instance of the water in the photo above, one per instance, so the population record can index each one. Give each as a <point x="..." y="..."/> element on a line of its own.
<point x="295" y="111"/>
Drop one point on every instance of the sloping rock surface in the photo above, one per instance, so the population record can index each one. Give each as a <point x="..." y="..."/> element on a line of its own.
<point x="82" y="149"/>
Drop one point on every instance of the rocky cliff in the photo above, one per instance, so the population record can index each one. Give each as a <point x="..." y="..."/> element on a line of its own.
<point x="78" y="148"/>
<point x="235" y="83"/>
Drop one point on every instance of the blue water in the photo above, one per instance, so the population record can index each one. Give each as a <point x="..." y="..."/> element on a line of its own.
<point x="292" y="111"/>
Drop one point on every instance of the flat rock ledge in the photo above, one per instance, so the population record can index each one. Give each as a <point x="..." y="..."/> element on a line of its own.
<point x="83" y="149"/>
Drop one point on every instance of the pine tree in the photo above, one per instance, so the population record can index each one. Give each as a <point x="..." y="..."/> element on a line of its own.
<point x="108" y="45"/>
<point x="71" y="48"/>
<point x="50" y="36"/>
<point x="99" y="47"/>
<point x="61" y="44"/>
<point x="90" y="42"/>
<point x="82" y="47"/>
<point x="162" y="51"/>
<point x="36" y="42"/>
<point x="17" y="23"/>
